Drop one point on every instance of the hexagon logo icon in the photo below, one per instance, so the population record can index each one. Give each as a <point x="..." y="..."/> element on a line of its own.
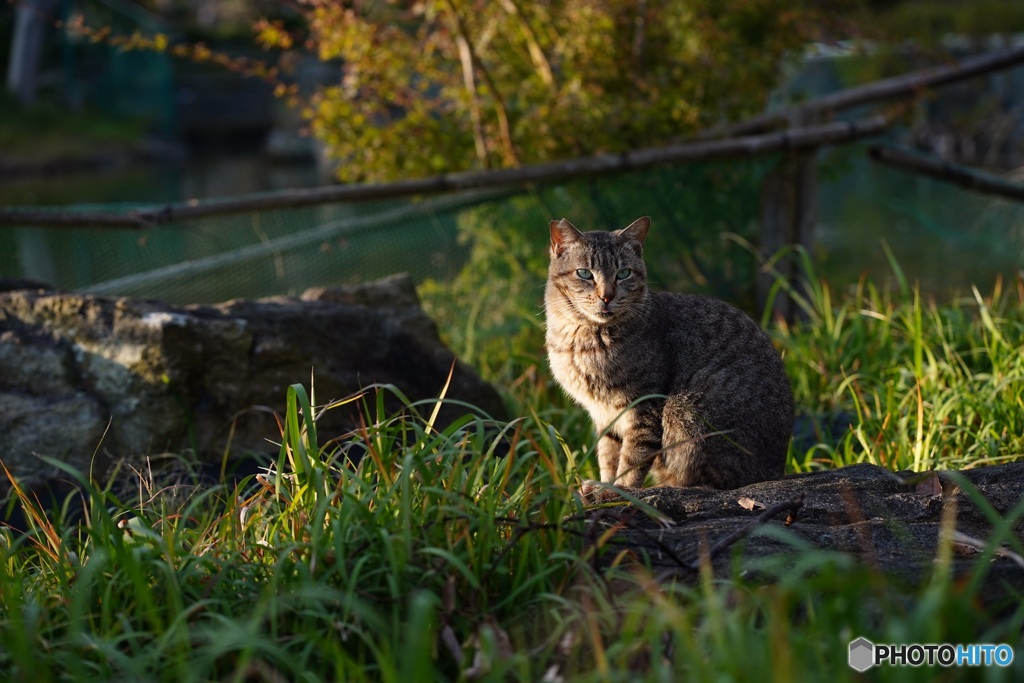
<point x="862" y="655"/>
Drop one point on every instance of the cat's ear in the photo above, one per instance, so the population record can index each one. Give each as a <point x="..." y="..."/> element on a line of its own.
<point x="636" y="231"/>
<point x="562" y="234"/>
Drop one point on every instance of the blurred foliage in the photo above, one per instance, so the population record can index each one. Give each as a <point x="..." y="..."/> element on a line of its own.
<point x="928" y="22"/>
<point x="45" y="130"/>
<point x="491" y="310"/>
<point x="449" y="85"/>
<point x="909" y="34"/>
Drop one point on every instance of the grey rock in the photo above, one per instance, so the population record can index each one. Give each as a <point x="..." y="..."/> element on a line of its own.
<point x="89" y="380"/>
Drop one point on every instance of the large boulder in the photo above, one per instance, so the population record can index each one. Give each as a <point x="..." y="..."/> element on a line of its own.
<point x="88" y="379"/>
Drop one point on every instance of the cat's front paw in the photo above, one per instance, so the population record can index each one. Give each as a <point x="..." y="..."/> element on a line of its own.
<point x="594" y="492"/>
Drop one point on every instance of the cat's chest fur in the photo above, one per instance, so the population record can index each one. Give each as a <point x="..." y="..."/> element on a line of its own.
<point x="595" y="367"/>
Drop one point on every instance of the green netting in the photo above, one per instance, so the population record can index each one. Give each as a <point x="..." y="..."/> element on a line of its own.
<point x="945" y="237"/>
<point x="126" y="84"/>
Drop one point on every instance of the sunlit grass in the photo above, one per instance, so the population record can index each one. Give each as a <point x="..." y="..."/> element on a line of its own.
<point x="924" y="385"/>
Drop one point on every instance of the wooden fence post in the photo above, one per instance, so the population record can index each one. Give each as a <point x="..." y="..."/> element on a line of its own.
<point x="788" y="195"/>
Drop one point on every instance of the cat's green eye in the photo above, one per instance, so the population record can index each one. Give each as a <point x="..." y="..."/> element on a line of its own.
<point x="623" y="274"/>
<point x="585" y="274"/>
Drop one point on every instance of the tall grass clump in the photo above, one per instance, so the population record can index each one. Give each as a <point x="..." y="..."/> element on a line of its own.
<point x="916" y="384"/>
<point x="350" y="558"/>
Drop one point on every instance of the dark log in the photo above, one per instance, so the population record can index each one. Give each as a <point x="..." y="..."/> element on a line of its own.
<point x="958" y="174"/>
<point x="791" y="506"/>
<point x="862" y="513"/>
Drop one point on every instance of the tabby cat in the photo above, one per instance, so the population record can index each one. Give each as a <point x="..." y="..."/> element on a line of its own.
<point x="721" y="414"/>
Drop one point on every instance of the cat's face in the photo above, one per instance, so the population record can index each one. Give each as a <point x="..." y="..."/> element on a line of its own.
<point x="599" y="276"/>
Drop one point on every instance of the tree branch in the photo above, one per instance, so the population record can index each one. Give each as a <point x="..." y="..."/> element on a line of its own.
<point x="537" y="56"/>
<point x="469" y="80"/>
<point x="504" y="129"/>
<point x="792" y="506"/>
<point x="904" y="85"/>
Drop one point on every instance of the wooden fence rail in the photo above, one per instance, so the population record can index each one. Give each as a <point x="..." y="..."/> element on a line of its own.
<point x="958" y="174"/>
<point x="809" y="138"/>
<point x="904" y="85"/>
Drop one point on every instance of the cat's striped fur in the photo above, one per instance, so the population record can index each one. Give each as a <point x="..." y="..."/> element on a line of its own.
<point x="724" y="415"/>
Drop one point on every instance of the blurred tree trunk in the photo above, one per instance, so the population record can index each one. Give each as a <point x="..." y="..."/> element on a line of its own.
<point x="32" y="19"/>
